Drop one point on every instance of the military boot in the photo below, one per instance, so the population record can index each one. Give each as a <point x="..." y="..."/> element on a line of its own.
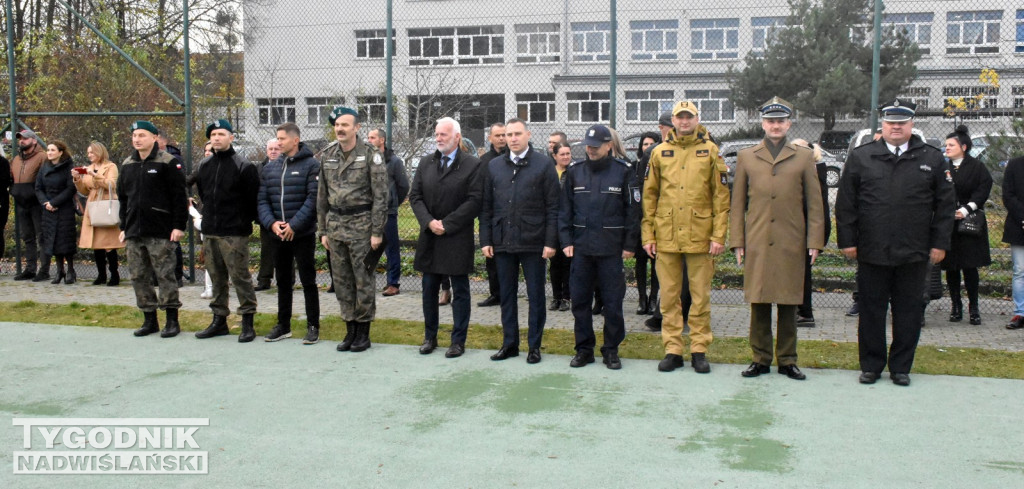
<point x="217" y="327"/>
<point x="171" y="326"/>
<point x="350" y="336"/>
<point x="362" y="341"/>
<point x="149" y="325"/>
<point x="248" y="330"/>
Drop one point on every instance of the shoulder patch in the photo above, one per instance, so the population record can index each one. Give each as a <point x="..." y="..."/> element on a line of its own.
<point x="949" y="177"/>
<point x="377" y="159"/>
<point x="703" y="152"/>
<point x="636" y="194"/>
<point x="667" y="153"/>
<point x="723" y="178"/>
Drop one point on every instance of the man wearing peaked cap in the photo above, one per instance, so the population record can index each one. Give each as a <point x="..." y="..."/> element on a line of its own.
<point x="777" y="220"/>
<point x="894" y="213"/>
<point x="153" y="214"/>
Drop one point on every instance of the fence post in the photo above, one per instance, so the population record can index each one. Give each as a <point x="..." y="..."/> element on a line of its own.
<point x="875" y="62"/>
<point x="13" y="105"/>
<point x="389" y="117"/>
<point x="614" y="34"/>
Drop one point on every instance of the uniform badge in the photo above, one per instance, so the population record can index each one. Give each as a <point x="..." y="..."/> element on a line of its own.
<point x="636" y="194"/>
<point x="377" y="159"/>
<point x="614" y="189"/>
<point x="949" y="177"/>
<point x="647" y="172"/>
<point x="724" y="178"/>
<point x="926" y="168"/>
<point x="360" y="158"/>
<point x="703" y="152"/>
<point x="667" y="153"/>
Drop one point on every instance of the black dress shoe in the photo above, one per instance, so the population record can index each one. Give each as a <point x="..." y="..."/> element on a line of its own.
<point x="868" y="377"/>
<point x="25" y="275"/>
<point x="1016" y="323"/>
<point x="454" y="351"/>
<point x="805" y="321"/>
<point x="700" y="363"/>
<point x="756" y="369"/>
<point x="555" y="304"/>
<point x="900" y="379"/>
<point x="428" y="346"/>
<point x="582" y="359"/>
<point x="854" y="310"/>
<point x="533" y="356"/>
<point x="565" y="305"/>
<point x="611" y="359"/>
<point x="490" y="301"/>
<point x="670" y="362"/>
<point x="260" y="286"/>
<point x="507" y="351"/>
<point x="653" y="323"/>
<point x="792" y="371"/>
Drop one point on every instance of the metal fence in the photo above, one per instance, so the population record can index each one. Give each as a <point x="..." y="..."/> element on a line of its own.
<point x="563" y="66"/>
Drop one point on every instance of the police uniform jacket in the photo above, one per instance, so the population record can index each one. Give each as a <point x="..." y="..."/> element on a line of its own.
<point x="599" y="210"/>
<point x="1013" y="200"/>
<point x="452" y="196"/>
<point x="352" y="199"/>
<point x="972" y="183"/>
<point x="520" y="206"/>
<point x="895" y="210"/>
<point x="776" y="218"/>
<point x="152" y="195"/>
<point x="288" y="192"/>
<point x="228" y="185"/>
<point x="686" y="195"/>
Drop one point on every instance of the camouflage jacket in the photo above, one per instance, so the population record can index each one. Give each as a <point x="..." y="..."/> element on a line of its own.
<point x="352" y="196"/>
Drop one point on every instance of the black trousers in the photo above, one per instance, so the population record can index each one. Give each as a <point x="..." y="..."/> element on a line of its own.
<point x="460" y="306"/>
<point x="877" y="285"/>
<point x="493" y="283"/>
<point x="806" y="309"/>
<point x="558" y="268"/>
<point x="267" y="260"/>
<point x="588" y="273"/>
<point x="300" y="253"/>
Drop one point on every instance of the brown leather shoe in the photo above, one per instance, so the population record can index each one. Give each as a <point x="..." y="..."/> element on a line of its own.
<point x="390" y="291"/>
<point x="446" y="298"/>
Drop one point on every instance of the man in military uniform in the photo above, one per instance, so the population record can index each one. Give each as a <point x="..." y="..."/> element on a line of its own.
<point x="598" y="226"/>
<point x="153" y="215"/>
<point x="686" y="216"/>
<point x="352" y="207"/>
<point x="894" y="213"/>
<point x="777" y="220"/>
<point x="228" y="186"/>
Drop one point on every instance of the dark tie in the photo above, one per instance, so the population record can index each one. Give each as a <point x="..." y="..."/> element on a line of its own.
<point x="515" y="160"/>
<point x="897" y="152"/>
<point x="444" y="163"/>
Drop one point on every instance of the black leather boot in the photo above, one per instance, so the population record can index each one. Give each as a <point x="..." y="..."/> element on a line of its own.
<point x="115" y="278"/>
<point x="217" y="327"/>
<point x="956" y="313"/>
<point x="642" y="305"/>
<point x="60" y="271"/>
<point x="71" y="277"/>
<point x="362" y="341"/>
<point x="248" y="329"/>
<point x="350" y="336"/>
<point x="975" y="316"/>
<point x="171" y="326"/>
<point x="100" y="256"/>
<point x="149" y="324"/>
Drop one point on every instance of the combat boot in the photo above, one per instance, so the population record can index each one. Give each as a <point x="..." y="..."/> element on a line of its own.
<point x="248" y="330"/>
<point x="171" y="326"/>
<point x="362" y="341"/>
<point x="350" y="336"/>
<point x="217" y="327"/>
<point x="149" y="325"/>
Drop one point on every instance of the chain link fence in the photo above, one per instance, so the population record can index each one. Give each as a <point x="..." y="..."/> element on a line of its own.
<point x="565" y="65"/>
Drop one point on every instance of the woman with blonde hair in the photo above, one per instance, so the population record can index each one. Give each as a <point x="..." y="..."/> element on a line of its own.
<point x="98" y="180"/>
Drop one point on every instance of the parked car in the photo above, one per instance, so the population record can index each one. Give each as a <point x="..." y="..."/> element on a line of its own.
<point x="865" y="136"/>
<point x="729" y="149"/>
<point x="630" y="144"/>
<point x="836" y="142"/>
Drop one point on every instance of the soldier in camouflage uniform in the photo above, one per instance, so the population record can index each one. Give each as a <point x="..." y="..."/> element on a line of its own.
<point x="352" y="201"/>
<point x="153" y="214"/>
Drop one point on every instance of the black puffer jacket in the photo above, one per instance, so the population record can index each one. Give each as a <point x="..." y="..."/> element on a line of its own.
<point x="152" y="195"/>
<point x="288" y="187"/>
<point x="520" y="207"/>
<point x="228" y="185"/>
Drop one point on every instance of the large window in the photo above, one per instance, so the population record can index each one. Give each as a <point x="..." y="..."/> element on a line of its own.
<point x="538" y="43"/>
<point x="457" y="45"/>
<point x="918" y="95"/>
<point x="275" y="111"/>
<point x="654" y="39"/>
<point x="319" y="109"/>
<point x="372" y="108"/>
<point x="535" y="107"/>
<point x="647" y="105"/>
<point x="978" y="98"/>
<point x="714" y="38"/>
<point x="370" y="44"/>
<point x="973" y="32"/>
<point x="590" y="41"/>
<point x="1019" y="48"/>
<point x="917" y="28"/>
<point x="1018" y="96"/>
<point x="763" y="32"/>
<point x="588" y="106"/>
<point x="714" y="105"/>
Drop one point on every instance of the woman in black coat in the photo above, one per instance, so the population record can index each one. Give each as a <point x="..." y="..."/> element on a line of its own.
<point x="55" y="190"/>
<point x="972" y="183"/>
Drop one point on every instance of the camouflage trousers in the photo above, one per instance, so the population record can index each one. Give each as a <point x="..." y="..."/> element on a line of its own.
<point x="227" y="257"/>
<point x="354" y="285"/>
<point x="149" y="258"/>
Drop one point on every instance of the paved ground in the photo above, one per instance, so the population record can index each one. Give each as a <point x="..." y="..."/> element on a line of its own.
<point x="287" y="415"/>
<point x="728" y="318"/>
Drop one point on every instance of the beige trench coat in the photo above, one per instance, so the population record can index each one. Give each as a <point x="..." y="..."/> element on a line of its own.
<point x="776" y="217"/>
<point x="105" y="238"/>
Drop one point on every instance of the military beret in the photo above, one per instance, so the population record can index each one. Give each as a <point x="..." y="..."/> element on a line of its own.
<point x="219" y="124"/>
<point x="898" y="110"/>
<point x="340" y="111"/>
<point x="145" y="126"/>
<point x="776" y="108"/>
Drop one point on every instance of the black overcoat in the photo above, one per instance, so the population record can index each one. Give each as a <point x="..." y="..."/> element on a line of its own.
<point x="1013" y="200"/>
<point x="452" y="196"/>
<point x="972" y="182"/>
<point x="55" y="185"/>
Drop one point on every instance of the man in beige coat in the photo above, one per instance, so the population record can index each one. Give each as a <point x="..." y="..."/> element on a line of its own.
<point x="776" y="200"/>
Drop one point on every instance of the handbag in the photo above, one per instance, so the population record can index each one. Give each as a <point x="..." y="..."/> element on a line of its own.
<point x="105" y="213"/>
<point x="973" y="224"/>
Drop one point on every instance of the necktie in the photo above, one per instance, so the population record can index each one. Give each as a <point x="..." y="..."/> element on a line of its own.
<point x="897" y="152"/>
<point x="444" y="163"/>
<point x="515" y="160"/>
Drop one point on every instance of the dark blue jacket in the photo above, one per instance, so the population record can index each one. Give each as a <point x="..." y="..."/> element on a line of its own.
<point x="228" y="186"/>
<point x="398" y="182"/>
<point x="600" y="207"/>
<point x="288" y="187"/>
<point x="520" y="208"/>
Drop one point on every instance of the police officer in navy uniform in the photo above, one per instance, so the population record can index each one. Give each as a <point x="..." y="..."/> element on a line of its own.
<point x="599" y="226"/>
<point x="894" y="213"/>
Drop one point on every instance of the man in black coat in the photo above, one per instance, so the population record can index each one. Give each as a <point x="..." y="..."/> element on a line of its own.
<point x="498" y="148"/>
<point x="1013" y="233"/>
<point x="445" y="197"/>
<point x="519" y="227"/>
<point x="894" y="213"/>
